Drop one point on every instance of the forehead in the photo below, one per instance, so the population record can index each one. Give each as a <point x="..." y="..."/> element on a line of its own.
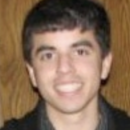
<point x="63" y="38"/>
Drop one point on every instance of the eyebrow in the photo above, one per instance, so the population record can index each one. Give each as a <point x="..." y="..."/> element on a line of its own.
<point x="44" y="48"/>
<point x="82" y="43"/>
<point x="74" y="45"/>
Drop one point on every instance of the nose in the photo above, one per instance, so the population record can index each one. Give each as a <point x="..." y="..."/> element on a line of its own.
<point x="65" y="64"/>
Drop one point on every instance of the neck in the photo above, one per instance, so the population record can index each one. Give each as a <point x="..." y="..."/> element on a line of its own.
<point x="86" y="119"/>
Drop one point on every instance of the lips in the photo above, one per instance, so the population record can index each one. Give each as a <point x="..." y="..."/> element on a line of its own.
<point x="68" y="88"/>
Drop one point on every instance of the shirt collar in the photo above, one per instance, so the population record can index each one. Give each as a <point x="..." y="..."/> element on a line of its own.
<point x="106" y="122"/>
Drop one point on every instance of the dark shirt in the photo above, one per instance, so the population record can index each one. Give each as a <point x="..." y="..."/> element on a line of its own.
<point x="111" y="119"/>
<point x="106" y="122"/>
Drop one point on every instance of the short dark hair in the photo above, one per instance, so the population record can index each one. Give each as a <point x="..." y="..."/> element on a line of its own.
<point x="55" y="15"/>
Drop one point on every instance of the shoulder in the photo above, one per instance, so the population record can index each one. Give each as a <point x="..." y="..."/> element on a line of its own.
<point x="11" y="125"/>
<point x="121" y="119"/>
<point x="29" y="121"/>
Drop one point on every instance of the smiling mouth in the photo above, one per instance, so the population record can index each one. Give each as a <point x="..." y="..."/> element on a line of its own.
<point x="68" y="88"/>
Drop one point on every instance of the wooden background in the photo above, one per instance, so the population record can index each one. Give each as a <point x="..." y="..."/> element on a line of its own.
<point x="17" y="97"/>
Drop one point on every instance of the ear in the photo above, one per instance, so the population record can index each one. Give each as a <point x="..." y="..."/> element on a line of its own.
<point x="31" y="74"/>
<point x="106" y="66"/>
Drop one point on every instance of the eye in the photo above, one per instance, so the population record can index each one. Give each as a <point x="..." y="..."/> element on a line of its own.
<point x="82" y="52"/>
<point x="47" y="56"/>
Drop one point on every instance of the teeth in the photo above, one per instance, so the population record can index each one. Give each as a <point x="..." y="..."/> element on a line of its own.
<point x="68" y="87"/>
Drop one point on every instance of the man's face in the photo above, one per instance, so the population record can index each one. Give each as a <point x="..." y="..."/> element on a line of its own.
<point x="67" y="67"/>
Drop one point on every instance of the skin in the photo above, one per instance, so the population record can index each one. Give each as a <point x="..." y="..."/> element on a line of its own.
<point x="67" y="68"/>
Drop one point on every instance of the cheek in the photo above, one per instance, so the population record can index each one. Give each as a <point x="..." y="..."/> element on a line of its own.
<point x="44" y="79"/>
<point x="44" y="74"/>
<point x="89" y="68"/>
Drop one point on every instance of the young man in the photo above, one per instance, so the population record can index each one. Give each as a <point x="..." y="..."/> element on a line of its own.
<point x="66" y="45"/>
